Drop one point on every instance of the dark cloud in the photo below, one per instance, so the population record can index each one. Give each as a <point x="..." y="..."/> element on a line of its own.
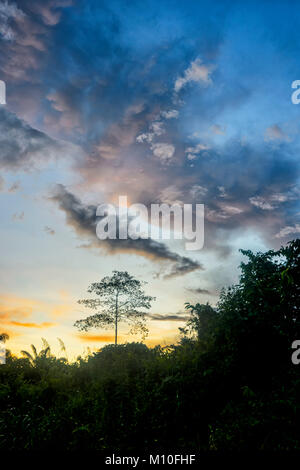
<point x="82" y="218"/>
<point x="198" y="290"/>
<point x="170" y="317"/>
<point x="21" y="146"/>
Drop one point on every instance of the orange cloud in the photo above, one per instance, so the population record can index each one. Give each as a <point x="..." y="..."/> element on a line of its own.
<point x="13" y="306"/>
<point x="62" y="310"/>
<point x="32" y="325"/>
<point x="98" y="338"/>
<point x="64" y="294"/>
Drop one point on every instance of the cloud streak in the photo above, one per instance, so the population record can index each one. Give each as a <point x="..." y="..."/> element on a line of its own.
<point x="31" y="324"/>
<point x="169" y="317"/>
<point x="82" y="218"/>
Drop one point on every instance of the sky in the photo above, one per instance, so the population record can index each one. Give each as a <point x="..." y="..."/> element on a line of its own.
<point x="164" y="102"/>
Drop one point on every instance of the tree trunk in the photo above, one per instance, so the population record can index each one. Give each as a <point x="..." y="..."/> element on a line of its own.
<point x="116" y="321"/>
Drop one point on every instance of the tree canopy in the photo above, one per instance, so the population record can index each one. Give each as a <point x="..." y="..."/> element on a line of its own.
<point x="121" y="299"/>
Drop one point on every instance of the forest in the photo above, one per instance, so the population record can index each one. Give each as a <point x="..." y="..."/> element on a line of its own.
<point x="229" y="384"/>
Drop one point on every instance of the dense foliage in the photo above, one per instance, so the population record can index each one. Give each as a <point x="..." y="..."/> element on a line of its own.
<point x="229" y="384"/>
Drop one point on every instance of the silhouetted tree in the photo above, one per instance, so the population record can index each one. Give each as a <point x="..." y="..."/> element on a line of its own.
<point x="120" y="299"/>
<point x="44" y="353"/>
<point x="201" y="322"/>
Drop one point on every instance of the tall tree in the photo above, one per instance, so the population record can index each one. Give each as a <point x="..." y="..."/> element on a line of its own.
<point x="121" y="299"/>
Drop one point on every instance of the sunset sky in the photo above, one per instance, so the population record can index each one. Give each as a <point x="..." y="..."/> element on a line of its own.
<point x="161" y="101"/>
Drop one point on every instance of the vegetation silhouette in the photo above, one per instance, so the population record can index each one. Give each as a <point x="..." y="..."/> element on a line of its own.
<point x="120" y="299"/>
<point x="229" y="384"/>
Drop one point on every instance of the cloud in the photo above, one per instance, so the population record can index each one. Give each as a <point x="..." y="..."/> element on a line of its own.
<point x="8" y="11"/>
<point x="32" y="325"/>
<point x="275" y="133"/>
<point x="97" y="338"/>
<point x="18" y="311"/>
<point x="164" y="152"/>
<point x="198" y="290"/>
<point x="171" y="114"/>
<point x="49" y="10"/>
<point x="67" y="117"/>
<point x="82" y="218"/>
<point x="260" y="202"/>
<point x="218" y="130"/>
<point x="25" y="36"/>
<point x="171" y="195"/>
<point x="145" y="137"/>
<point x="291" y="229"/>
<point x="13" y="307"/>
<point x="118" y="136"/>
<point x="197" y="191"/>
<point x="49" y="230"/>
<point x="21" y="146"/>
<point x="223" y="212"/>
<point x="272" y="201"/>
<point x="156" y="129"/>
<point x="14" y="187"/>
<point x="170" y="317"/>
<point x="222" y="192"/>
<point x="193" y="152"/>
<point x="196" y="73"/>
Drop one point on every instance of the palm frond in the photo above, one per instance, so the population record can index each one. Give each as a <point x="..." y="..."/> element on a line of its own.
<point x="45" y="352"/>
<point x="45" y="343"/>
<point x="62" y="345"/>
<point x="28" y="355"/>
<point x="34" y="350"/>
